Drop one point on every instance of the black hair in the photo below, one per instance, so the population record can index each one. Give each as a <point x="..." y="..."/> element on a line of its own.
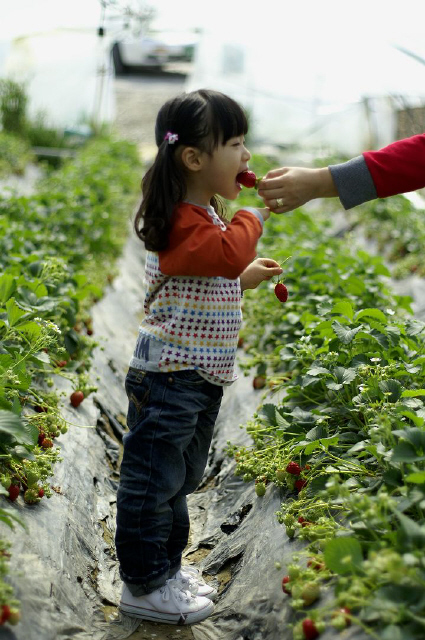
<point x="202" y="119"/>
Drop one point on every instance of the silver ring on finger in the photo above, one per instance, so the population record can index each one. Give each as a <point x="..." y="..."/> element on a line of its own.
<point x="279" y="202"/>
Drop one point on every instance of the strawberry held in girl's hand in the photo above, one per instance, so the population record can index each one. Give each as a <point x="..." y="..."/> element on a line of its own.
<point x="247" y="179"/>
<point x="281" y="292"/>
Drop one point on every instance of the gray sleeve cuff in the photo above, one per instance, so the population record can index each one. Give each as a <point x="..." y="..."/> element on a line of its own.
<point x="256" y="213"/>
<point x="353" y="182"/>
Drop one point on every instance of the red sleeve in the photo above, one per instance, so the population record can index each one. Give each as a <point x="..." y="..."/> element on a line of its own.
<point x="398" y="168"/>
<point x="198" y="247"/>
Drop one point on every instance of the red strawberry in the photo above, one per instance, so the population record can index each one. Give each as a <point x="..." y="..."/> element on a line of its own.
<point x="310" y="629"/>
<point x="303" y="522"/>
<point x="41" y="492"/>
<point x="247" y="179"/>
<point x="47" y="443"/>
<point x="285" y="581"/>
<point x="14" y="490"/>
<point x="76" y="398"/>
<point x="41" y="437"/>
<point x="40" y="409"/>
<point x="5" y="613"/>
<point x="300" y="483"/>
<point x="294" y="468"/>
<point x="62" y="363"/>
<point x="281" y="292"/>
<point x="315" y="564"/>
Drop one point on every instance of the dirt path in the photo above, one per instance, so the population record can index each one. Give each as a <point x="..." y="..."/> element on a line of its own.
<point x="138" y="99"/>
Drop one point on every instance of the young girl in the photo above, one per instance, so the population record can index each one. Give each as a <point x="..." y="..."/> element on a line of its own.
<point x="196" y="267"/>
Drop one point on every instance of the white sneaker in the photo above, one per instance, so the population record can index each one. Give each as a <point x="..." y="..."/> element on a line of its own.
<point x="192" y="578"/>
<point x="171" y="604"/>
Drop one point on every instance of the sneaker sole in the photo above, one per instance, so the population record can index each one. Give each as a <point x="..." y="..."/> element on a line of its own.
<point x="167" y="618"/>
<point x="212" y="595"/>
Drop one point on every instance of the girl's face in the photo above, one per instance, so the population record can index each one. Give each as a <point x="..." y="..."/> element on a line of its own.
<point x="222" y="166"/>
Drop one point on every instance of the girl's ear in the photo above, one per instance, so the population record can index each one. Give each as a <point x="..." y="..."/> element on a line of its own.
<point x="191" y="158"/>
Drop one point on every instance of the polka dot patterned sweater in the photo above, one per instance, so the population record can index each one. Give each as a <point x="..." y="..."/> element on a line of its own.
<point x="193" y="295"/>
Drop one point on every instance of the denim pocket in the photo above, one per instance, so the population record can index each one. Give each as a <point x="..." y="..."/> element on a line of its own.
<point x="138" y="392"/>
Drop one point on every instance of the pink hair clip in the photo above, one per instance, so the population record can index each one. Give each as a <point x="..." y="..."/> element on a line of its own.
<point x="171" y="137"/>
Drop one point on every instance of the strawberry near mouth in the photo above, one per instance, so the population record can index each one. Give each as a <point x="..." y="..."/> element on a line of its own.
<point x="247" y="179"/>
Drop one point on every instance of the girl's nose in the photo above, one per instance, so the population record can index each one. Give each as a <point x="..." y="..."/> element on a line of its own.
<point x="246" y="154"/>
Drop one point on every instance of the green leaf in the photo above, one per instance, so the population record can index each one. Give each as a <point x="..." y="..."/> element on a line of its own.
<point x="381" y="338"/>
<point x="7" y="287"/>
<point x="345" y="335"/>
<point x="343" y="555"/>
<point x="9" y="517"/>
<point x="418" y="420"/>
<point x="391" y="387"/>
<point x="417" y="478"/>
<point x="344" y="376"/>
<point x="413" y="393"/>
<point x="14" y="313"/>
<point x="405" y="452"/>
<point x="412" y="531"/>
<point x="317" y="371"/>
<point x="269" y="412"/>
<point x="372" y="313"/>
<point x="14" y="426"/>
<point x="344" y="308"/>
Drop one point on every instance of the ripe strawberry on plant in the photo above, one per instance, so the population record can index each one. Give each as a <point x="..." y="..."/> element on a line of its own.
<point x="14" y="490"/>
<point x="285" y="581"/>
<point x="303" y="522"/>
<point x="315" y="564"/>
<point x="76" y="398"/>
<point x="300" y="484"/>
<point x="293" y="468"/>
<point x="5" y="613"/>
<point x="310" y="630"/>
<point x="47" y="443"/>
<point x="247" y="179"/>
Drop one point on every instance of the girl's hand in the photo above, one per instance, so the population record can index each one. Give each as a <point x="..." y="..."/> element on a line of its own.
<point x="265" y="212"/>
<point x="260" y="269"/>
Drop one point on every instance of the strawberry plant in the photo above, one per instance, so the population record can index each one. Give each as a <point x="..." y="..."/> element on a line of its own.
<point x="56" y="249"/>
<point x="342" y="431"/>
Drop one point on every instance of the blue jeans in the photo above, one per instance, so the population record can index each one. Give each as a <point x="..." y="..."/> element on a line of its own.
<point x="171" y="419"/>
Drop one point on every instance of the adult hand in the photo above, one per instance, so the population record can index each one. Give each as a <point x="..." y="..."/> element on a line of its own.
<point x="287" y="188"/>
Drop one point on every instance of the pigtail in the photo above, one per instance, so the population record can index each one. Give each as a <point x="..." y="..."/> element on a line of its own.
<point x="162" y="189"/>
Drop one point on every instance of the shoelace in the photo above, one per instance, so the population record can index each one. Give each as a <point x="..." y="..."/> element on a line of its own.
<point x="194" y="574"/>
<point x="174" y="590"/>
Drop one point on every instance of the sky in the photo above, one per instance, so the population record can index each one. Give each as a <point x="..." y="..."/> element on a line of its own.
<point x="250" y="19"/>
